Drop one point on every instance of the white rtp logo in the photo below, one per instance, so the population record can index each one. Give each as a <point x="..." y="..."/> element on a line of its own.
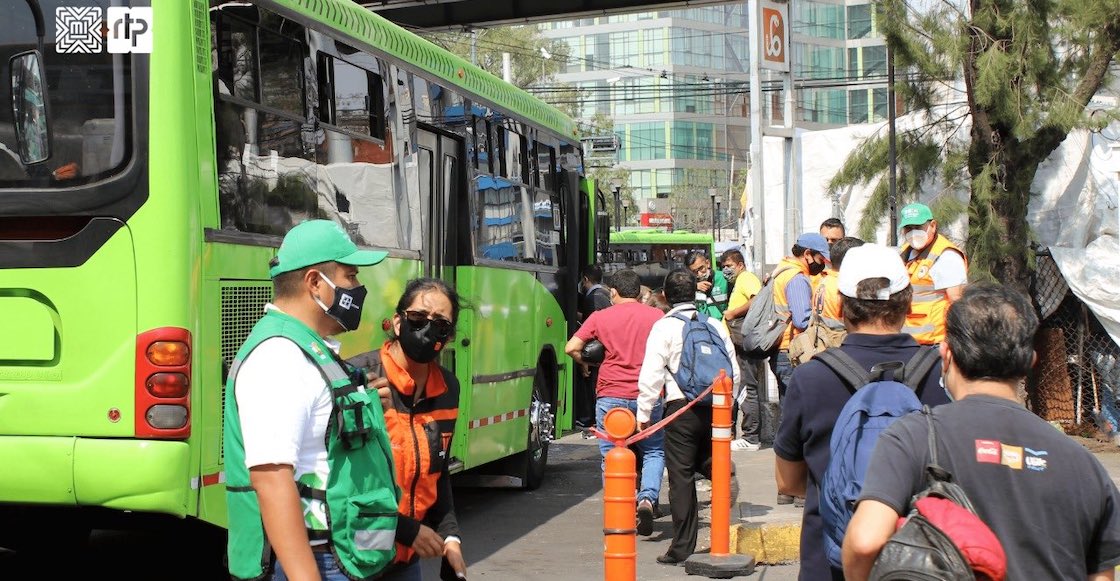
<point x="80" y="30"/>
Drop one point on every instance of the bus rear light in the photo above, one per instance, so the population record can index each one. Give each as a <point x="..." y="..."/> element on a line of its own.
<point x="167" y="385"/>
<point x="169" y="353"/>
<point x="166" y="417"/>
<point x="162" y="394"/>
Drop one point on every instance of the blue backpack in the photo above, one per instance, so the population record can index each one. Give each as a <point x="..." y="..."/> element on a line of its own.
<point x="703" y="355"/>
<point x="880" y="397"/>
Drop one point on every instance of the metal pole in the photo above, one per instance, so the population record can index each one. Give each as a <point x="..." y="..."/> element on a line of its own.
<point x="719" y="222"/>
<point x="474" y="47"/>
<point x="712" y="194"/>
<point x="617" y="209"/>
<point x="892" y="153"/>
<point x="507" y="68"/>
<point x="758" y="228"/>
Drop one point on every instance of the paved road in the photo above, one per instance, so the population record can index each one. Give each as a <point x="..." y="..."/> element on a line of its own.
<point x="551" y="533"/>
<point x="556" y="532"/>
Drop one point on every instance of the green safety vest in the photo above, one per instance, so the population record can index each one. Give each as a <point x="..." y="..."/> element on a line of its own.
<point x="360" y="496"/>
<point x="716" y="302"/>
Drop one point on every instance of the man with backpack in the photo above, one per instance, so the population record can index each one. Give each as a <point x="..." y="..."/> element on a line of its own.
<point x="684" y="354"/>
<point x="875" y="294"/>
<point x="1047" y="499"/>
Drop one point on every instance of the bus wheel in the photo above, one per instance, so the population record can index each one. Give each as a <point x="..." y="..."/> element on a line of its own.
<point x="541" y="425"/>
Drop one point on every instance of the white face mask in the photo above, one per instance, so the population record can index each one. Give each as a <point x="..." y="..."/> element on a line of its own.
<point x="917" y="239"/>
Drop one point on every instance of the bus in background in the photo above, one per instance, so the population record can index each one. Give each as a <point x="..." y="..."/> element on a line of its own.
<point x="144" y="195"/>
<point x="653" y="253"/>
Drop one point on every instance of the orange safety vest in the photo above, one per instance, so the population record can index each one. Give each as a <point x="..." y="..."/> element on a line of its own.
<point x="926" y="320"/>
<point x="827" y="301"/>
<point x="792" y="267"/>
<point x="420" y="435"/>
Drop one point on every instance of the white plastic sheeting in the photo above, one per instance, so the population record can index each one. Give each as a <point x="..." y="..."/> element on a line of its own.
<point x="1075" y="210"/>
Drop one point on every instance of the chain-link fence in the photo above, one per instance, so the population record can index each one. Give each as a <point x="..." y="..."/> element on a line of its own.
<point x="1077" y="378"/>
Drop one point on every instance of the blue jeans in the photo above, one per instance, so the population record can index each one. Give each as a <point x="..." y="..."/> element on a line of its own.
<point x="651" y="449"/>
<point x="328" y="569"/>
<point x="783" y="372"/>
<point x="410" y="572"/>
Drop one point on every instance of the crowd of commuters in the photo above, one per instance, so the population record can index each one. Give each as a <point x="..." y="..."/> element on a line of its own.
<point x="296" y="413"/>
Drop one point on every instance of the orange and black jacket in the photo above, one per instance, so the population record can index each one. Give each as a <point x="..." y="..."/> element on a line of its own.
<point x="420" y="431"/>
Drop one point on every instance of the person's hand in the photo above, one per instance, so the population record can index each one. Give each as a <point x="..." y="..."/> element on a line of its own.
<point x="428" y="543"/>
<point x="704" y="286"/>
<point x="454" y="555"/>
<point x="642" y="425"/>
<point x="381" y="384"/>
<point x="585" y="368"/>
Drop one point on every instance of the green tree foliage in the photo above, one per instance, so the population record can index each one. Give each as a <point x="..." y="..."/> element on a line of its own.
<point x="530" y="67"/>
<point x="1028" y="70"/>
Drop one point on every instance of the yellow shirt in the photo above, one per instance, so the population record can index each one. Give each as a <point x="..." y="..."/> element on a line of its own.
<point x="746" y="287"/>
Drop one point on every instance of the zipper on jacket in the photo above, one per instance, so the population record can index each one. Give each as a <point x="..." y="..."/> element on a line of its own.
<point x="416" y="462"/>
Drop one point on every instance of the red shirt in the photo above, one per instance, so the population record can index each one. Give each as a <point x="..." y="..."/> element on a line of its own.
<point x="623" y="329"/>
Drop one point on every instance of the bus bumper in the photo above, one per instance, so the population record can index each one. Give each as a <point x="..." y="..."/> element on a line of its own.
<point x="140" y="475"/>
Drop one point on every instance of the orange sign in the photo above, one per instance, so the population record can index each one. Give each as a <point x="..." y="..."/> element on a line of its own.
<point x="774" y="38"/>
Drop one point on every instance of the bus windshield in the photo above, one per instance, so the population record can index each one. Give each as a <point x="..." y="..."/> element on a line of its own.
<point x="65" y="106"/>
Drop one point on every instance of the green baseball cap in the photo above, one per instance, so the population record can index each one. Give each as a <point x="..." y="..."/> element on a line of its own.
<point x="316" y="241"/>
<point x="914" y="215"/>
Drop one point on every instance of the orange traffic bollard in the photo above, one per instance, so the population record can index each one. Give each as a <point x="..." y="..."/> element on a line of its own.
<point x="719" y="563"/>
<point x="620" y="543"/>
<point x="721" y="465"/>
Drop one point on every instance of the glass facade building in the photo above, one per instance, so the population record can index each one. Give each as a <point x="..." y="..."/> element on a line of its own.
<point x="675" y="82"/>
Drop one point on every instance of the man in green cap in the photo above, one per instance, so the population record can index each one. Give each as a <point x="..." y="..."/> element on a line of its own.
<point x="938" y="272"/>
<point x="308" y="464"/>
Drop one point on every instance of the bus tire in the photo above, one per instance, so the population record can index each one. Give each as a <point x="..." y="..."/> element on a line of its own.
<point x="534" y="459"/>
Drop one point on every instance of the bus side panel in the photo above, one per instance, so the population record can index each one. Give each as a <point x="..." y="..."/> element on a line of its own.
<point x="512" y="319"/>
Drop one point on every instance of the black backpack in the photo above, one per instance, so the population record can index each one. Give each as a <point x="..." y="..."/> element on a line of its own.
<point x="947" y="542"/>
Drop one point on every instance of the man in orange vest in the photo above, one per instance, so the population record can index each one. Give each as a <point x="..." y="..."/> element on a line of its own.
<point x="938" y="272"/>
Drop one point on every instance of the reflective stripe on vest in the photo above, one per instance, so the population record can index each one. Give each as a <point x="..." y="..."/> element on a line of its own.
<point x="926" y="320"/>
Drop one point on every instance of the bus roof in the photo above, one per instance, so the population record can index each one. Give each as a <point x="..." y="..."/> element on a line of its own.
<point x="659" y="237"/>
<point x="382" y="35"/>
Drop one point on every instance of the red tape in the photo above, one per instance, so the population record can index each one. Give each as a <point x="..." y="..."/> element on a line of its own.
<point x="649" y="431"/>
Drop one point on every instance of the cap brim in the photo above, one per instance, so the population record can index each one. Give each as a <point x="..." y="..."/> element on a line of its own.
<point x="363" y="258"/>
<point x="912" y="222"/>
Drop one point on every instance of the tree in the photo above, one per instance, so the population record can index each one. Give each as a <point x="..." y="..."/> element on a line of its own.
<point x="1028" y="69"/>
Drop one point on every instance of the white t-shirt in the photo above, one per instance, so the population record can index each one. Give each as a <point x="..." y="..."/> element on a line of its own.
<point x="284" y="405"/>
<point x="949" y="270"/>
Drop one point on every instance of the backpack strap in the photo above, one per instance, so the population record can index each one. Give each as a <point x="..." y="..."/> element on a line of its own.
<point x="842" y="364"/>
<point x="919" y="366"/>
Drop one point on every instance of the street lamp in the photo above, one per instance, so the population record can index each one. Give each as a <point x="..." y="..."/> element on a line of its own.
<point x="626" y="208"/>
<point x="712" y="193"/>
<point x="616" y="184"/>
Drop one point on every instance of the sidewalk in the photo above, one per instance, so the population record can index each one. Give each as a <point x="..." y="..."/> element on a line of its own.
<point x="759" y="526"/>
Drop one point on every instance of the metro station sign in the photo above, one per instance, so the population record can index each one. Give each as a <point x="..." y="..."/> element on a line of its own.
<point x="656" y="220"/>
<point x="774" y="39"/>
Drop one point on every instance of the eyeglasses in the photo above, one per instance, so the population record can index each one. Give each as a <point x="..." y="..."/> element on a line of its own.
<point x="420" y="320"/>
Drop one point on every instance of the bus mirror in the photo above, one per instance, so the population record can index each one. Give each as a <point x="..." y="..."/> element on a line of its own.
<point x="29" y="107"/>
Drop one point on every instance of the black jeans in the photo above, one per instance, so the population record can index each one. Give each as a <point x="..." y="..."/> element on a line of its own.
<point x="688" y="451"/>
<point x="750" y="428"/>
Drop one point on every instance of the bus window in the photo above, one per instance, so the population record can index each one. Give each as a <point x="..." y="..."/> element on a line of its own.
<point x="482" y="145"/>
<point x="350" y="97"/>
<point x="546" y="166"/>
<point x="281" y="62"/>
<point x="88" y="99"/>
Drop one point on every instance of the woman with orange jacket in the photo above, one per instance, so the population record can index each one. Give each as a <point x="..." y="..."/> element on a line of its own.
<point x="421" y="401"/>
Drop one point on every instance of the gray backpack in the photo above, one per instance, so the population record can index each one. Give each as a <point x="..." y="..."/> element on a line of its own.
<point x="762" y="326"/>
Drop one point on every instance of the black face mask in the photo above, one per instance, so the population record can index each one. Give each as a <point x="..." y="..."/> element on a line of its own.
<point x="346" y="309"/>
<point x="815" y="268"/>
<point x="421" y="344"/>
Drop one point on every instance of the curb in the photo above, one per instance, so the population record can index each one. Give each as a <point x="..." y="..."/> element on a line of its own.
<point x="769" y="543"/>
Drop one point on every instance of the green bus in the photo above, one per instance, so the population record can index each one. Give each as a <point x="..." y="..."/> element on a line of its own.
<point x="652" y="253"/>
<point x="142" y="196"/>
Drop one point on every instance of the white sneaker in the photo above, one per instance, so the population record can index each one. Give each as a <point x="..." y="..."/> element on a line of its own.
<point x="743" y="445"/>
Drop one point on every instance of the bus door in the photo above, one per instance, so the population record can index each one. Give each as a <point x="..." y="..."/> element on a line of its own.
<point x="440" y="172"/>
